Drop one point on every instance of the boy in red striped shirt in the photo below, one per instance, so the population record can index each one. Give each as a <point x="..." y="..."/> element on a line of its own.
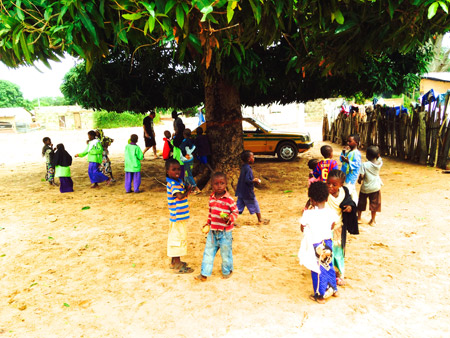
<point x="222" y="215"/>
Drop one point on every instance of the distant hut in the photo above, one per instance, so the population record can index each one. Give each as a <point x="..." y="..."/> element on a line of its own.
<point x="438" y="81"/>
<point x="15" y="120"/>
<point x="64" y="117"/>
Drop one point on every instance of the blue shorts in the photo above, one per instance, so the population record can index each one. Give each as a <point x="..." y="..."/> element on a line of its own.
<point x="252" y="205"/>
<point x="203" y="159"/>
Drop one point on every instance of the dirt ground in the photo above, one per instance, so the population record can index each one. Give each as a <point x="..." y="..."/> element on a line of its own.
<point x="103" y="271"/>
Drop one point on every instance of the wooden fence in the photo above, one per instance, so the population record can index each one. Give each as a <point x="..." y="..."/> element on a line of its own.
<point x="422" y="136"/>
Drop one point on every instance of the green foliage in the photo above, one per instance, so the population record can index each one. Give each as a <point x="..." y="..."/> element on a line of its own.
<point x="358" y="98"/>
<point x="122" y="82"/>
<point x="48" y="101"/>
<point x="10" y="95"/>
<point x="110" y="119"/>
<point x="315" y="46"/>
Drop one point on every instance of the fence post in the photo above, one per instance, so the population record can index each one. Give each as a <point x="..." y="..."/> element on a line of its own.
<point x="423" y="154"/>
<point x="442" y="137"/>
<point x="402" y="136"/>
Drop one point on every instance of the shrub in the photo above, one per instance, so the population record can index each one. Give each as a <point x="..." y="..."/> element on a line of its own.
<point x="110" y="119"/>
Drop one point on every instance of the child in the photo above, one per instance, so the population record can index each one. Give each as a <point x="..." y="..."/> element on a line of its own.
<point x="222" y="215"/>
<point x="48" y="152"/>
<point x="187" y="148"/>
<point x="62" y="162"/>
<point x="371" y="183"/>
<point x="105" y="141"/>
<point x="245" y="188"/>
<point x="177" y="139"/>
<point x="326" y="165"/>
<point x="94" y="151"/>
<point x="133" y="158"/>
<point x="179" y="213"/>
<point x="344" y="208"/>
<point x="351" y="162"/>
<point x="316" y="248"/>
<point x="312" y="164"/>
<point x="167" y="150"/>
<point x="149" y="133"/>
<point x="202" y="148"/>
<point x="105" y="167"/>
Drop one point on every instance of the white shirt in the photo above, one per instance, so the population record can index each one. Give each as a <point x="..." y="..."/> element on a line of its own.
<point x="318" y="223"/>
<point x="372" y="181"/>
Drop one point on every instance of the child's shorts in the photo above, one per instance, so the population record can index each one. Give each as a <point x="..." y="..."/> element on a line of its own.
<point x="203" y="159"/>
<point x="252" y="205"/>
<point x="374" y="201"/>
<point x="177" y="239"/>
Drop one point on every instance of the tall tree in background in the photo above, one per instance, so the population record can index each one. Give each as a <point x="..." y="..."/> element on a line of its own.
<point x="441" y="60"/>
<point x="225" y="39"/>
<point x="11" y="96"/>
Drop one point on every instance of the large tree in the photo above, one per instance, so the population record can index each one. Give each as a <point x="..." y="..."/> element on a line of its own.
<point x="225" y="40"/>
<point x="11" y="96"/>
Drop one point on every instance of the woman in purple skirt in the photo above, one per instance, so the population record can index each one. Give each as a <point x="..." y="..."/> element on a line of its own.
<point x="62" y="161"/>
<point x="94" y="150"/>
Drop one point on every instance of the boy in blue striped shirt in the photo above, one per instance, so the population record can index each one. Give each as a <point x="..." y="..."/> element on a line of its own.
<point x="179" y="212"/>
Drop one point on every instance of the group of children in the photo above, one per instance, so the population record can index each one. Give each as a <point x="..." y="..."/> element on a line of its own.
<point x="184" y="149"/>
<point x="333" y="209"/>
<point x="58" y="161"/>
<point x="223" y="212"/>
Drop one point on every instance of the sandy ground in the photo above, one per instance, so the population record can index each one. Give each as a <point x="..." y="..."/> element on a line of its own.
<point x="103" y="272"/>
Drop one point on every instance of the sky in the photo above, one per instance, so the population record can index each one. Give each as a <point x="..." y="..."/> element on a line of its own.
<point x="33" y="83"/>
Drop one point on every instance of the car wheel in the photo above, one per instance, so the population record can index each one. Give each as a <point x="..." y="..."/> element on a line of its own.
<point x="287" y="151"/>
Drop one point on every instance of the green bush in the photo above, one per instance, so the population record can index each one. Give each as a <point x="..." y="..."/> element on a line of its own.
<point x="110" y="119"/>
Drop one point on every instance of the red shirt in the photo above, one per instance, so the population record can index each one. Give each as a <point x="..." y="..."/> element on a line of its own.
<point x="224" y="204"/>
<point x="323" y="169"/>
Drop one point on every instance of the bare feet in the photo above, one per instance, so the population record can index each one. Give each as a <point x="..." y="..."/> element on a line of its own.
<point x="372" y="223"/>
<point x="201" y="278"/>
<point x="340" y="281"/>
<point x="264" y="221"/>
<point x="95" y="185"/>
<point x="336" y="294"/>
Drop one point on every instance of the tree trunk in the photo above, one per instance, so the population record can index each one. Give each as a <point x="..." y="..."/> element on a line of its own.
<point x="224" y="127"/>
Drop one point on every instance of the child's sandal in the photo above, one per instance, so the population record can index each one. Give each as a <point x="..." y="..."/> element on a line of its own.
<point x="317" y="299"/>
<point x="201" y="278"/>
<point x="184" y="269"/>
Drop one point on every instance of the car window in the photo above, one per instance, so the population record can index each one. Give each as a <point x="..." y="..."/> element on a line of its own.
<point x="247" y="127"/>
<point x="264" y="126"/>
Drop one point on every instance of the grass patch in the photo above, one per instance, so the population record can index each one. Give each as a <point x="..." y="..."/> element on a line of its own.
<point x="110" y="119"/>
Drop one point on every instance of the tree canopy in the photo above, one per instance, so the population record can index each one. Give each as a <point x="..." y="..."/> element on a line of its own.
<point x="11" y="96"/>
<point x="283" y="48"/>
<point x="139" y="83"/>
<point x="330" y="37"/>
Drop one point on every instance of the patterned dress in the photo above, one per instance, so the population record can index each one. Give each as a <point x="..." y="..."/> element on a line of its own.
<point x="50" y="169"/>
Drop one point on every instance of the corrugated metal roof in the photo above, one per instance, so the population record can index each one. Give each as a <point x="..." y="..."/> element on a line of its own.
<point x="9" y="112"/>
<point x="20" y="114"/>
<point x="438" y="76"/>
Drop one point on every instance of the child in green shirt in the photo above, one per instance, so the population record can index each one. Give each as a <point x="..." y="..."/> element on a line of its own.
<point x="133" y="158"/>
